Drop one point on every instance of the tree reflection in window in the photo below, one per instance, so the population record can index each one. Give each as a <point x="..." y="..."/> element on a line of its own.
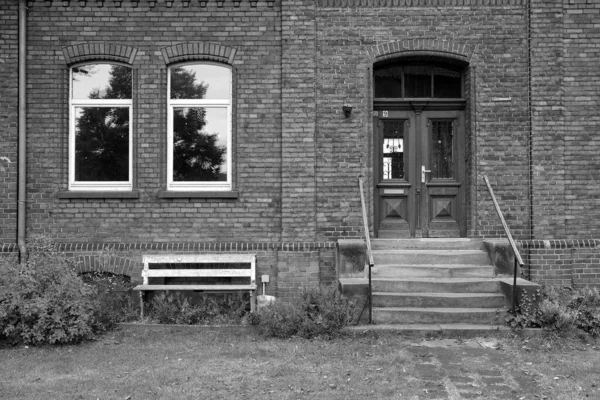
<point x="101" y="125"/>
<point x="197" y="155"/>
<point x="200" y="107"/>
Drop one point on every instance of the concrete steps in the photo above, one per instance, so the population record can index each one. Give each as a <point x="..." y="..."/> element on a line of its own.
<point x="437" y="285"/>
<point x="434" y="282"/>
<point x="445" y="315"/>
<point x="438" y="300"/>
<point x="429" y="256"/>
<point x="423" y="244"/>
<point x="432" y="271"/>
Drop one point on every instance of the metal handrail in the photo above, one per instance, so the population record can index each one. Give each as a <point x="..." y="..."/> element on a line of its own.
<point x="518" y="259"/>
<point x="369" y="250"/>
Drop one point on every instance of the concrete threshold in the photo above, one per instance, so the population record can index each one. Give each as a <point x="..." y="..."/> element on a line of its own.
<point x="442" y="330"/>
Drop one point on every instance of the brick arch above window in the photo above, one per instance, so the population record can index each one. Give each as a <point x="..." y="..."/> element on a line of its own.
<point x="429" y="47"/>
<point x="99" y="51"/>
<point x="198" y="51"/>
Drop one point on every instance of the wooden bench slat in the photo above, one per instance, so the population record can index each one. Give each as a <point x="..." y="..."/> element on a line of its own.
<point x="209" y="273"/>
<point x="196" y="287"/>
<point x="199" y="258"/>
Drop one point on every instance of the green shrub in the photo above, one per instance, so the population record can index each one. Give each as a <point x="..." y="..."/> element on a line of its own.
<point x="176" y="308"/>
<point x="43" y="300"/>
<point x="115" y="299"/>
<point x="322" y="312"/>
<point x="561" y="311"/>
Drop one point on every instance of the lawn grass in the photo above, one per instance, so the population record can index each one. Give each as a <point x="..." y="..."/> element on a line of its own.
<point x="237" y="363"/>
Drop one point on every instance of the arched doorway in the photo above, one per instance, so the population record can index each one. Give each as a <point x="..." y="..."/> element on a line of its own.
<point x="419" y="148"/>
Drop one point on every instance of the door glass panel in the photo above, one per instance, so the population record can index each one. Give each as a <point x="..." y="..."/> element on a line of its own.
<point x="418" y="81"/>
<point x="441" y="148"/>
<point x="393" y="149"/>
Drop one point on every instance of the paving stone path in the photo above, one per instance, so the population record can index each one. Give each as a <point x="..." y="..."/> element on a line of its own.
<point x="452" y="369"/>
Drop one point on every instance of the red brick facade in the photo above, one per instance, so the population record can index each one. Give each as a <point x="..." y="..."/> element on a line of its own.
<point x="533" y="100"/>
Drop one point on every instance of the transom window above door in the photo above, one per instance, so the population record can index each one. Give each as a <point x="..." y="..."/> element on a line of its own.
<point x="417" y="81"/>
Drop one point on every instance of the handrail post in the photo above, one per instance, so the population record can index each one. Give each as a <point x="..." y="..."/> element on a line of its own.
<point x="514" y="293"/>
<point x="369" y="250"/>
<point x="512" y="243"/>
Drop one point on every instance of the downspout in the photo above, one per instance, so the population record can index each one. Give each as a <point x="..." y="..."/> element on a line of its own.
<point x="530" y="121"/>
<point x="22" y="162"/>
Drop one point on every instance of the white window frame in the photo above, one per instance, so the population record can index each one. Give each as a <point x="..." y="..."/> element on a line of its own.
<point x="79" y="103"/>
<point x="209" y="103"/>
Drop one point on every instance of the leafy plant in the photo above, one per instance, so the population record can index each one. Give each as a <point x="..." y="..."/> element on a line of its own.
<point x="43" y="300"/>
<point x="561" y="310"/>
<point x="175" y="308"/>
<point x="321" y="312"/>
<point x="114" y="299"/>
<point x="524" y="314"/>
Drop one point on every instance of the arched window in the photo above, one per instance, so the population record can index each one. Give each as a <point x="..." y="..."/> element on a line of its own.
<point x="418" y="81"/>
<point x="100" y="146"/>
<point x="199" y="127"/>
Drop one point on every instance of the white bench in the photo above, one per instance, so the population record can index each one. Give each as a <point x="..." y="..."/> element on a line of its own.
<point x="225" y="259"/>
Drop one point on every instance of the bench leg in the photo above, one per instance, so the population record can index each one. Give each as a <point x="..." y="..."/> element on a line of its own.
<point x="252" y="300"/>
<point x="141" y="304"/>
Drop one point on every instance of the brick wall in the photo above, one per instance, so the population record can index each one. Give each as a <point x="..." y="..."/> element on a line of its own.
<point x="298" y="120"/>
<point x="253" y="31"/>
<point x="297" y="157"/>
<point x="548" y="119"/>
<point x="8" y="120"/>
<point x="572" y="263"/>
<point x="582" y="119"/>
<point x="498" y="132"/>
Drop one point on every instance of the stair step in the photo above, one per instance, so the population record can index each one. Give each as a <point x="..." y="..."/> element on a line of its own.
<point x="432" y="244"/>
<point x="461" y="330"/>
<point x="438" y="300"/>
<point x="420" y="315"/>
<point x="436" y="285"/>
<point x="433" y="271"/>
<point x="414" y="257"/>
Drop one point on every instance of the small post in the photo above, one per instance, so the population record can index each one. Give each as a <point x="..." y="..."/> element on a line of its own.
<point x="370" y="298"/>
<point x="514" y="300"/>
<point x="141" y="304"/>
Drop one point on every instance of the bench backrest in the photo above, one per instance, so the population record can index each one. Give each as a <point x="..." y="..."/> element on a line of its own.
<point x="200" y="259"/>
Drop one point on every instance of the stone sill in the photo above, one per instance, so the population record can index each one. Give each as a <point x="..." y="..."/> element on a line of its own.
<point x="176" y="194"/>
<point x="100" y="194"/>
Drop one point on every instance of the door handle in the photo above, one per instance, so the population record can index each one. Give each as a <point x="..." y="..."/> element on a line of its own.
<point x="423" y="172"/>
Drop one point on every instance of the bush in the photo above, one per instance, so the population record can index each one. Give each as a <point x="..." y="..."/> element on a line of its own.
<point x="322" y="312"/>
<point x="561" y="311"/>
<point x="43" y="300"/>
<point x="115" y="300"/>
<point x="175" y="308"/>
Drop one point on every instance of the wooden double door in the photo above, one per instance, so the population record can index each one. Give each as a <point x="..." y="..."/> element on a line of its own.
<point x="419" y="172"/>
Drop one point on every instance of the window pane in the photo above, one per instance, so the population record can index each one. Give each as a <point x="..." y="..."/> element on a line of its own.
<point x="102" y="144"/>
<point x="441" y="145"/>
<point x="447" y="83"/>
<point x="388" y="82"/>
<point x="418" y="81"/>
<point x="200" y="81"/>
<point x="101" y="81"/>
<point x="200" y="144"/>
<point x="393" y="149"/>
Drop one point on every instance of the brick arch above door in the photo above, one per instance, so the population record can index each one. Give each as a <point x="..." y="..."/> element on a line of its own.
<point x="421" y="47"/>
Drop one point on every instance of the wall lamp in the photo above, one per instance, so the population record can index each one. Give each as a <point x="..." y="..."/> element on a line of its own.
<point x="347" y="110"/>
